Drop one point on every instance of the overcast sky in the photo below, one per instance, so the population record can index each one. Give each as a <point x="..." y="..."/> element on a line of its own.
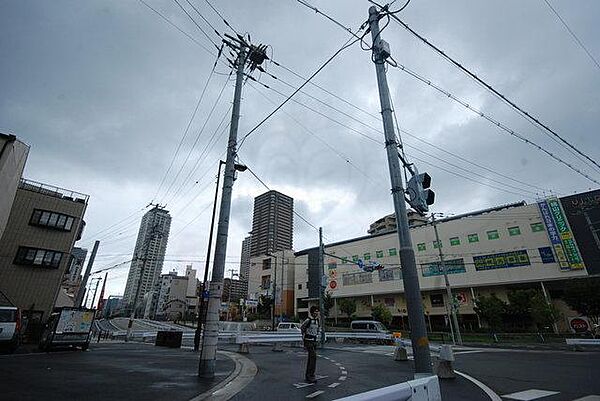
<point x="102" y="91"/>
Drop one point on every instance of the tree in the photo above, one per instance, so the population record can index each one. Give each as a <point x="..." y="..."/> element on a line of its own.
<point x="327" y="303"/>
<point x="263" y="310"/>
<point x="584" y="297"/>
<point x="543" y="314"/>
<point x="490" y="310"/>
<point x="381" y="314"/>
<point x="347" y="306"/>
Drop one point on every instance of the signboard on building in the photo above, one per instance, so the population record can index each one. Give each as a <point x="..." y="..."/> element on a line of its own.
<point x="579" y="324"/>
<point x="453" y="266"/>
<point x="566" y="235"/>
<point x="501" y="260"/>
<point x="583" y="214"/>
<point x="553" y="235"/>
<point x="251" y="303"/>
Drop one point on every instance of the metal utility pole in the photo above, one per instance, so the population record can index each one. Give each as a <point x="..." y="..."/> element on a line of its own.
<point x="207" y="363"/>
<point x="453" y="319"/>
<point x="321" y="283"/>
<point x="202" y="304"/>
<point x="86" y="275"/>
<point x="418" y="330"/>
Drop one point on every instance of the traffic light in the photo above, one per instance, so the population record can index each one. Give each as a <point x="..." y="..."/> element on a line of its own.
<point x="420" y="197"/>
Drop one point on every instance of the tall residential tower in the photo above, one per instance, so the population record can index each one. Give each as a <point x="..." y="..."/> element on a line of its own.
<point x="272" y="223"/>
<point x="149" y="255"/>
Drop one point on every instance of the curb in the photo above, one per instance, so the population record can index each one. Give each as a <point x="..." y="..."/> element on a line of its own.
<point x="242" y="375"/>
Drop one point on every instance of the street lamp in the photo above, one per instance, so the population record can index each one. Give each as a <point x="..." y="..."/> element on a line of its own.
<point x="201" y="306"/>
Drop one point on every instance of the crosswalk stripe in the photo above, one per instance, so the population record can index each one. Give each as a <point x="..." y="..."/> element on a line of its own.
<point x="316" y="393"/>
<point x="529" y="395"/>
<point x="334" y="385"/>
<point x="589" y="398"/>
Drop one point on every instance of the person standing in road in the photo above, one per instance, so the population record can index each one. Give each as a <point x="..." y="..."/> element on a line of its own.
<point x="311" y="330"/>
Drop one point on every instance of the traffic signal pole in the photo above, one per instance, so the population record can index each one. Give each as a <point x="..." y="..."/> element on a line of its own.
<point x="412" y="292"/>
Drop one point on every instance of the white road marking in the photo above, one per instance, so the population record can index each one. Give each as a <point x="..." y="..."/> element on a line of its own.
<point x="316" y="393"/>
<point x="319" y="377"/>
<point x="302" y="385"/>
<point x="334" y="385"/>
<point x="344" y="372"/>
<point x="338" y="364"/>
<point x="342" y="378"/>
<point x="589" y="398"/>
<point x="488" y="391"/>
<point x="529" y="395"/>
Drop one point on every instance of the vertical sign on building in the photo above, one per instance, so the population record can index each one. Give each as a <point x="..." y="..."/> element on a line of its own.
<point x="554" y="235"/>
<point x="571" y="250"/>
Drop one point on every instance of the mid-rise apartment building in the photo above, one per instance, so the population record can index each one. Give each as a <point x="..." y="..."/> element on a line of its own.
<point x="13" y="155"/>
<point x="274" y="274"/>
<point x="43" y="224"/>
<point x="245" y="258"/>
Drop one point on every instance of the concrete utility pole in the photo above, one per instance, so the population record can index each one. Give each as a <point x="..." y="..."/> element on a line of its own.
<point x="89" y="290"/>
<point x="414" y="305"/>
<point x="453" y="319"/>
<point x="86" y="275"/>
<point x="321" y="283"/>
<point x="98" y="280"/>
<point x="207" y="363"/>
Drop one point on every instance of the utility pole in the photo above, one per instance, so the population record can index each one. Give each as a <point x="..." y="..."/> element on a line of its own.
<point x="98" y="280"/>
<point x="141" y="278"/>
<point x="452" y="319"/>
<point x="89" y="290"/>
<point x="418" y="330"/>
<point x="321" y="283"/>
<point x="210" y="336"/>
<point x="86" y="275"/>
<point x="274" y="294"/>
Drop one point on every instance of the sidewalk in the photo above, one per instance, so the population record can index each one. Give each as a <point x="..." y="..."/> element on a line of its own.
<point x="108" y="371"/>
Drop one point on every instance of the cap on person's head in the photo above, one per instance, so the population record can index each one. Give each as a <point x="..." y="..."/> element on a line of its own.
<point x="314" y="309"/>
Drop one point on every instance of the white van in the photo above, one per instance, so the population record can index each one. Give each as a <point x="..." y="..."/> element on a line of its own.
<point x="369" y="326"/>
<point x="10" y="327"/>
<point x="289" y="326"/>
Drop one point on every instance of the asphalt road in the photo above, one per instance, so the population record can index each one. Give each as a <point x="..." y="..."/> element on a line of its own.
<point x="106" y="371"/>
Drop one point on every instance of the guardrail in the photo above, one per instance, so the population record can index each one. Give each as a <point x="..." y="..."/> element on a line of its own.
<point x="424" y="389"/>
<point x="583" y="341"/>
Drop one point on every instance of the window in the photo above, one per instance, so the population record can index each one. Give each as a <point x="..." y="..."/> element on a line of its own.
<point x="38" y="257"/>
<point x="493" y="234"/>
<point x="389" y="301"/>
<point x="512" y="231"/>
<point x="265" y="282"/>
<point x="437" y="300"/>
<point x="473" y="238"/>
<point x="379" y="254"/>
<point x="266" y="264"/>
<point x="367" y="256"/>
<point x="355" y="258"/>
<point x="390" y="274"/>
<point x="344" y="260"/>
<point x="421" y="247"/>
<point x="299" y="286"/>
<point x="53" y="220"/>
<point x="392" y="252"/>
<point x="537" y="227"/>
<point x="437" y="244"/>
<point x="357" y="278"/>
<point x="454" y="241"/>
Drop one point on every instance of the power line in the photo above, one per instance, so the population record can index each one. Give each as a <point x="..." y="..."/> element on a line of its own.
<point x="493" y="90"/>
<point x="579" y="42"/>
<point x="344" y="46"/>
<point x="185" y="132"/>
<point x="500" y="125"/>
<point x="197" y="25"/>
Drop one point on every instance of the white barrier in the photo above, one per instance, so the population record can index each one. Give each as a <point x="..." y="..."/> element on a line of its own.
<point x="583" y="341"/>
<point x="425" y="389"/>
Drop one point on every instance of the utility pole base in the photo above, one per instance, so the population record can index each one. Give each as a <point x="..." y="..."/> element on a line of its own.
<point x="207" y="369"/>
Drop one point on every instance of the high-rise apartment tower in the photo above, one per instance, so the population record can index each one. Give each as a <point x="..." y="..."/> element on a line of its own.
<point x="149" y="255"/>
<point x="272" y="223"/>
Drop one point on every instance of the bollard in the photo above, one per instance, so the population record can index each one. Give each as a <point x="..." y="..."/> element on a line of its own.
<point x="444" y="367"/>
<point x="277" y="347"/>
<point x="400" y="353"/>
<point x="244" y="348"/>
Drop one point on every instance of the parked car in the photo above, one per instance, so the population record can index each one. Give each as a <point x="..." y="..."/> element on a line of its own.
<point x="288" y="326"/>
<point x="370" y="326"/>
<point x="10" y="327"/>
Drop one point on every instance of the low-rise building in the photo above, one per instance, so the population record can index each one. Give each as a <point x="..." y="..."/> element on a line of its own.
<point x="274" y="272"/>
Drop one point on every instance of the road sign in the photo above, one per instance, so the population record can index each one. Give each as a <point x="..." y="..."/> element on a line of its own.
<point x="333" y="284"/>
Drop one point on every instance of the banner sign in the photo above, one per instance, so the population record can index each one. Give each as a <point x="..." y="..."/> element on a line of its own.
<point x="571" y="251"/>
<point x="554" y="235"/>
<point x="501" y="260"/>
<point x="453" y="266"/>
